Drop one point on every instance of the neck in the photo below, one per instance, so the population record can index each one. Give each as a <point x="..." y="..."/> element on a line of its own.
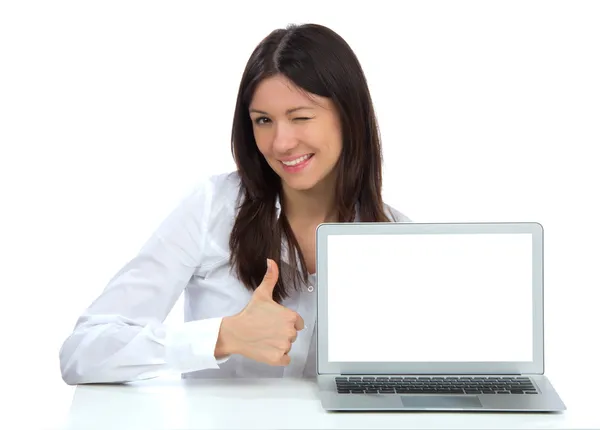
<point x="312" y="206"/>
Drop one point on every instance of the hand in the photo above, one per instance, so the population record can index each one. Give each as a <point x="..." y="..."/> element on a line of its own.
<point x="264" y="330"/>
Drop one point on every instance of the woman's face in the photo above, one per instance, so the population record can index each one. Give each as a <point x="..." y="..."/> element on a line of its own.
<point x="299" y="135"/>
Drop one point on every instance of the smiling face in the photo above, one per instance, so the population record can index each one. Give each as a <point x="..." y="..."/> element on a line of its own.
<point x="299" y="135"/>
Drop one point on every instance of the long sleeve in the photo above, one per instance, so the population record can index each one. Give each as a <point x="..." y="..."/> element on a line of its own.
<point x="121" y="336"/>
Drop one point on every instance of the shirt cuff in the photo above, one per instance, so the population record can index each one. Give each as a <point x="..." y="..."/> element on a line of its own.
<point x="191" y="346"/>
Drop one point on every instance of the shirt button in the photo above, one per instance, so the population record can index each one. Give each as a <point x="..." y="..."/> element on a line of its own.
<point x="310" y="289"/>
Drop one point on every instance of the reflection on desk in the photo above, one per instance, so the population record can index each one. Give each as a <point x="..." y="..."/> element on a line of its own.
<point x="283" y="404"/>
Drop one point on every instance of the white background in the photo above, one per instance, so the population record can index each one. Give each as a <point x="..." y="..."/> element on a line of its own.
<point x="111" y="111"/>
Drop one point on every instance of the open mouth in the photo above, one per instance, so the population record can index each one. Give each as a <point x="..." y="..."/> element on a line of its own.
<point x="297" y="164"/>
<point x="297" y="161"/>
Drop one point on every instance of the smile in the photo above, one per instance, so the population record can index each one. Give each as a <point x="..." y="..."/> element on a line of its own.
<point x="298" y="164"/>
<point x="297" y="160"/>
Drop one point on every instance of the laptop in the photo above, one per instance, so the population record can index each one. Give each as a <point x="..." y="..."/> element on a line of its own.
<point x="432" y="316"/>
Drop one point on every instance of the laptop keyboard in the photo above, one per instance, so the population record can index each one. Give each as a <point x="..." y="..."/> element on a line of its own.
<point x="434" y="385"/>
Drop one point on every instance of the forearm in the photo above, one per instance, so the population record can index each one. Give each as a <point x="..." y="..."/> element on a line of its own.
<point x="113" y="350"/>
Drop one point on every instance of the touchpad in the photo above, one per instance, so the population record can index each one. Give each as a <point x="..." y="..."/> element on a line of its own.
<point x="421" y="401"/>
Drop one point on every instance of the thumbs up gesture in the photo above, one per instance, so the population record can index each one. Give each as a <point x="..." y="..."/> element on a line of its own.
<point x="264" y="330"/>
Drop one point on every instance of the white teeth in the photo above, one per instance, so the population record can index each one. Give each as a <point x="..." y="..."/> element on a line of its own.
<point x="297" y="160"/>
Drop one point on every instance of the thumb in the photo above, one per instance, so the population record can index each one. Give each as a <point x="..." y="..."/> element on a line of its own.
<point x="266" y="287"/>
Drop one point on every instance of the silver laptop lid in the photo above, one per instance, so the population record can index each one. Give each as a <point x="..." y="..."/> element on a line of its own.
<point x="433" y="298"/>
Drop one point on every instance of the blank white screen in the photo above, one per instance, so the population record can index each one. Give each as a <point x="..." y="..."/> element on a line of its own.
<point x="430" y="297"/>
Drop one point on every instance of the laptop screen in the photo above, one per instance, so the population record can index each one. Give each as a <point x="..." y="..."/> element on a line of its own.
<point x="430" y="297"/>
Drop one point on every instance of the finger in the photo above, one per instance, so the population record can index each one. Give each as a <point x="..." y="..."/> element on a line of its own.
<point x="266" y="287"/>
<point x="286" y="347"/>
<point x="299" y="323"/>
<point x="285" y="360"/>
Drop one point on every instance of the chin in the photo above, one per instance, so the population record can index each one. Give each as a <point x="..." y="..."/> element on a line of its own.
<point x="300" y="184"/>
<point x="305" y="180"/>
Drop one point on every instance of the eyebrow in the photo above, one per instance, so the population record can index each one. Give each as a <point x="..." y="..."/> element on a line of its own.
<point x="287" y="111"/>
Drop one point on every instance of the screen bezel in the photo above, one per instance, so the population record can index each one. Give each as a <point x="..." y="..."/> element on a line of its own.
<point x="536" y="366"/>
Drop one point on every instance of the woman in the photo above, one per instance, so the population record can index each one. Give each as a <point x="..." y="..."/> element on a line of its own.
<point x="306" y="145"/>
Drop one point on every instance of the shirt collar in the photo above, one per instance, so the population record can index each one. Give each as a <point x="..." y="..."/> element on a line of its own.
<point x="277" y="207"/>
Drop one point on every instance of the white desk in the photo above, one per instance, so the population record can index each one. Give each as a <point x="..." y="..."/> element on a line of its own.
<point x="287" y="404"/>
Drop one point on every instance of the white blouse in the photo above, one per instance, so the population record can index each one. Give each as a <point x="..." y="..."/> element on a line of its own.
<point x="122" y="337"/>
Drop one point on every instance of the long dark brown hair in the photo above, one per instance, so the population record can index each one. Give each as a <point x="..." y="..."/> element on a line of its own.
<point x="319" y="61"/>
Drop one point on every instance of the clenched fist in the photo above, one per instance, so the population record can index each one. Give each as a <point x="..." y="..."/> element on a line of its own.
<point x="264" y="330"/>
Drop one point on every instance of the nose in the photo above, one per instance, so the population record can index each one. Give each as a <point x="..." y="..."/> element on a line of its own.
<point x="284" y="139"/>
